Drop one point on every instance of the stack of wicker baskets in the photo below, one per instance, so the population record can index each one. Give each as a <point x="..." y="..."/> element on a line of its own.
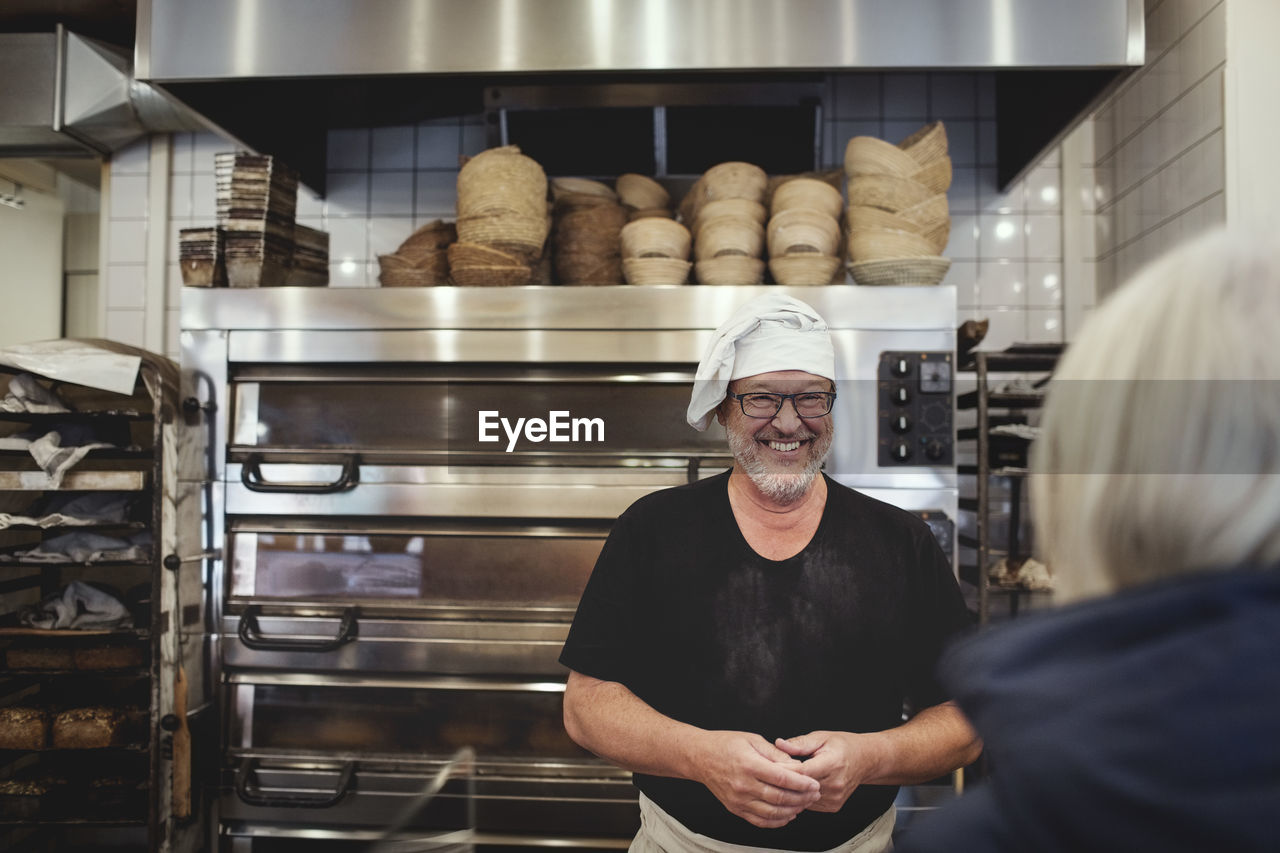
<point x="898" y="223"/>
<point x="502" y="219"/>
<point x="655" y="250"/>
<point x="422" y="259"/>
<point x="725" y="214"/>
<point x="804" y="232"/>
<point x="587" y="235"/>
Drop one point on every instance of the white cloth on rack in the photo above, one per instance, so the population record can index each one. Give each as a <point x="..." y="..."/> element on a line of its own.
<point x="85" y="547"/>
<point x="26" y="394"/>
<point x="74" y="510"/>
<point x="79" y="605"/>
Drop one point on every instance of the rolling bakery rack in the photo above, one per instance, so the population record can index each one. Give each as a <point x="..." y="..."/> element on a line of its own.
<point x="1002" y="437"/>
<point x="96" y="753"/>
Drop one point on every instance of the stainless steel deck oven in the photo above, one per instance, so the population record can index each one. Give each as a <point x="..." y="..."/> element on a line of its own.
<point x="411" y="488"/>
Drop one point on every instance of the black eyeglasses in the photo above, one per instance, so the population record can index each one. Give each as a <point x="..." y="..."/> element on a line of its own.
<point x="809" y="404"/>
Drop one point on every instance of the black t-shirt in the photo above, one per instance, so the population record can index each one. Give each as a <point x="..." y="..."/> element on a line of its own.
<point x="683" y="612"/>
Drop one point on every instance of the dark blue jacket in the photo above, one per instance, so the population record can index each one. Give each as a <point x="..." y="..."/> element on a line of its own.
<point x="1145" y="721"/>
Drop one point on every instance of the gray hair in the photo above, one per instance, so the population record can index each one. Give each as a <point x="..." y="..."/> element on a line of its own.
<point x="1160" y="445"/>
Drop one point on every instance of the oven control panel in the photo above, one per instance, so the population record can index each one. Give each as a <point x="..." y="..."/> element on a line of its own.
<point x="915" y="398"/>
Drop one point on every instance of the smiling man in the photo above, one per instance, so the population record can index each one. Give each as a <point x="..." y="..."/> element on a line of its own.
<point x="746" y="643"/>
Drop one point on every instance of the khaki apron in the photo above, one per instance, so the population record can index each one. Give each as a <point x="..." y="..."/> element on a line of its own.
<point x="661" y="833"/>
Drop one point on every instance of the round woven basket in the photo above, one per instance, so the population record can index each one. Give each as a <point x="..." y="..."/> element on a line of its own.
<point x="860" y="216"/>
<point x="581" y="186"/>
<point x="880" y="243"/>
<point x="728" y="235"/>
<point x="939" y="236"/>
<point x="391" y="277"/>
<point x="655" y="238"/>
<point x="808" y="193"/>
<point x="731" y="207"/>
<point x="395" y="262"/>
<point x="800" y="230"/>
<point x="478" y="255"/>
<point x="490" y="276"/>
<point x="436" y="234"/>
<point x="655" y="270"/>
<point x="641" y="193"/>
<point x="578" y="268"/>
<point x="572" y="202"/>
<point x="901" y="271"/>
<point x="927" y="144"/>
<point x="936" y="176"/>
<point x="730" y="270"/>
<point x="867" y="155"/>
<point x="927" y="213"/>
<point x="523" y="235"/>
<point x="735" y="179"/>
<point x="804" y="269"/>
<point x="887" y="192"/>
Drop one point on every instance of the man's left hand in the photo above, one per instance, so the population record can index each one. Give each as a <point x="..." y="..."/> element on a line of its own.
<point x="840" y="761"/>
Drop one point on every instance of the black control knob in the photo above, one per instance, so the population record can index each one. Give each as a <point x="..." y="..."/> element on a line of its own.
<point x="900" y="394"/>
<point x="169" y="723"/>
<point x="901" y="451"/>
<point x="901" y="366"/>
<point x="934" y="450"/>
<point x="901" y="424"/>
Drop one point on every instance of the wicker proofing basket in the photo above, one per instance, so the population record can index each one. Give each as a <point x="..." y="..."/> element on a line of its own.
<point x="490" y="276"/>
<point x="728" y="235"/>
<point x="927" y="213"/>
<point x="879" y="244"/>
<point x="641" y="193"/>
<point x="730" y="270"/>
<point x="731" y="207"/>
<point x="584" y="186"/>
<point x="655" y="270"/>
<point x="867" y="155"/>
<point x="901" y="271"/>
<point x="655" y="238"/>
<point x="860" y="216"/>
<point x="886" y="192"/>
<point x="804" y="269"/>
<point x="651" y="213"/>
<point x="801" y="230"/>
<point x="808" y="193"/>
<point x="478" y="255"/>
<point x="939" y="235"/>
<point x="927" y="144"/>
<point x="936" y="176"/>
<point x="735" y="179"/>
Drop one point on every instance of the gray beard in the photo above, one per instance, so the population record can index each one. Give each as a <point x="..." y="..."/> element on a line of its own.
<point x="782" y="487"/>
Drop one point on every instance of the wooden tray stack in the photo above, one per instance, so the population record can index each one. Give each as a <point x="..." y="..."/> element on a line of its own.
<point x="310" y="258"/>
<point x="200" y="257"/>
<point x="257" y="200"/>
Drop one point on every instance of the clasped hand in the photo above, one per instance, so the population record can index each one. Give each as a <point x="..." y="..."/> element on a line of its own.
<point x="769" y="784"/>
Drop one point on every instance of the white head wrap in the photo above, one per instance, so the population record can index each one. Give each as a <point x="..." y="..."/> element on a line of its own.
<point x="771" y="332"/>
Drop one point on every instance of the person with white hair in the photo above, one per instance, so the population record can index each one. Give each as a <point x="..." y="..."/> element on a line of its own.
<point x="1142" y="715"/>
<point x="746" y="643"/>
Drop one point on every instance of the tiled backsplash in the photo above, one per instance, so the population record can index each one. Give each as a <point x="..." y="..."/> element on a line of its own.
<point x="1006" y="248"/>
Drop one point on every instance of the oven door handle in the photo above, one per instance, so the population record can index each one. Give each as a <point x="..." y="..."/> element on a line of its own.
<point x="248" y="792"/>
<point x="251" y="477"/>
<point x="251" y="635"/>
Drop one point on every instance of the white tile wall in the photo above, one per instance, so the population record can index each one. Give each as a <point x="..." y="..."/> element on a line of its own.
<point x="1159" y="172"/>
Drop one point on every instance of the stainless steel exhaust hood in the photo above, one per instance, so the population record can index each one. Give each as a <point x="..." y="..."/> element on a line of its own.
<point x="288" y="67"/>
<point x="68" y="96"/>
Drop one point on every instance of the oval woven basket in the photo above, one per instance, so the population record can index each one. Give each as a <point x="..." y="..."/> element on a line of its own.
<point x="808" y="193"/>
<point x="655" y="237"/>
<point x="728" y="235"/>
<point x="804" y="269"/>
<point x="803" y="230"/>
<point x="901" y="272"/>
<point x="927" y="144"/>
<point x="936" y="176"/>
<point x="641" y="193"/>
<point x="887" y="192"/>
<point x="490" y="276"/>
<point x="867" y="155"/>
<point x="881" y="243"/>
<point x="730" y="270"/>
<point x="655" y="270"/>
<point x="860" y="216"/>
<point x="735" y="179"/>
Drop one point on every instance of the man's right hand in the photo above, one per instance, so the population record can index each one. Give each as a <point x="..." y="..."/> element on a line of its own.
<point x="754" y="779"/>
